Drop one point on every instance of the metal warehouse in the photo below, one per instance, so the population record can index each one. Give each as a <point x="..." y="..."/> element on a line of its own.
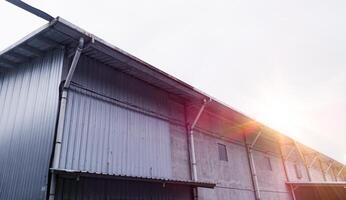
<point x="82" y="119"/>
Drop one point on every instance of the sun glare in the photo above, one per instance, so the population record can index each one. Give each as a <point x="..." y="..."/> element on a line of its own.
<point x="282" y="115"/>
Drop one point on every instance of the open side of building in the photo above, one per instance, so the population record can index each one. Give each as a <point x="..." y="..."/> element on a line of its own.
<point x="106" y="125"/>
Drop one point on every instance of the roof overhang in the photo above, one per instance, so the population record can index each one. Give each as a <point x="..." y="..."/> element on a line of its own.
<point x="71" y="173"/>
<point x="317" y="184"/>
<point x="60" y="33"/>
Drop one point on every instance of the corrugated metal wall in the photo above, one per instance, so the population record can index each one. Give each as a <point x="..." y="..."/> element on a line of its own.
<point x="101" y="189"/>
<point x="29" y="98"/>
<point x="103" y="136"/>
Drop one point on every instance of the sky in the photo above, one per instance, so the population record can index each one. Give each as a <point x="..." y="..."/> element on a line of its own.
<point x="280" y="62"/>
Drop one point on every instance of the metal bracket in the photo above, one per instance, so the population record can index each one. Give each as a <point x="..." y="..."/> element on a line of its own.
<point x="313" y="161"/>
<point x="256" y="139"/>
<point x="205" y="101"/>
<point x="329" y="166"/>
<point x="338" y="174"/>
<point x="290" y="153"/>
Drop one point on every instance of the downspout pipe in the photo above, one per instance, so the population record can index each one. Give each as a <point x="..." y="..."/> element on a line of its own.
<point x="61" y="119"/>
<point x="193" y="163"/>
<point x="252" y="169"/>
<point x="192" y="141"/>
<point x="304" y="160"/>
<point x="284" y="164"/>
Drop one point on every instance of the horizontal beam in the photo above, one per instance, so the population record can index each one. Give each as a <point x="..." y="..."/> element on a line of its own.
<point x="31" y="9"/>
<point x="7" y="64"/>
<point x="31" y="50"/>
<point x="17" y="55"/>
<point x="48" y="41"/>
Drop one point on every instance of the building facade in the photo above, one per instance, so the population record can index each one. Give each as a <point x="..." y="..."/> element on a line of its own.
<point x="82" y="119"/>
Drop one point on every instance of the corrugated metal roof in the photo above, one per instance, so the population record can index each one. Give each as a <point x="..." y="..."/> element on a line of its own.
<point x="135" y="178"/>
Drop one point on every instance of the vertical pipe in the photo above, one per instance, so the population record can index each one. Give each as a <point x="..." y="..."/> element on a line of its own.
<point x="304" y="160"/>
<point x="191" y="142"/>
<point x="252" y="169"/>
<point x="61" y="119"/>
<point x="285" y="169"/>
<point x="193" y="156"/>
<point x="284" y="163"/>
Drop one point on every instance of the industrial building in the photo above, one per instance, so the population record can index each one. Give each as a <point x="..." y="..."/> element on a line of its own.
<point x="82" y="119"/>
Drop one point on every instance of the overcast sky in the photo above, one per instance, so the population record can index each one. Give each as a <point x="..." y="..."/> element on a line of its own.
<point x="280" y="62"/>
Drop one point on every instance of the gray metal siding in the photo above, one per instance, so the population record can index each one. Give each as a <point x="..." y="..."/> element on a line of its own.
<point x="107" y="81"/>
<point x="103" y="136"/>
<point x="29" y="96"/>
<point x="93" y="189"/>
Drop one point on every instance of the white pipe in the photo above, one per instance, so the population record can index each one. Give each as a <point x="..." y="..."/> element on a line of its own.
<point x="304" y="160"/>
<point x="192" y="142"/>
<point x="253" y="172"/>
<point x="74" y="63"/>
<point x="61" y="118"/>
